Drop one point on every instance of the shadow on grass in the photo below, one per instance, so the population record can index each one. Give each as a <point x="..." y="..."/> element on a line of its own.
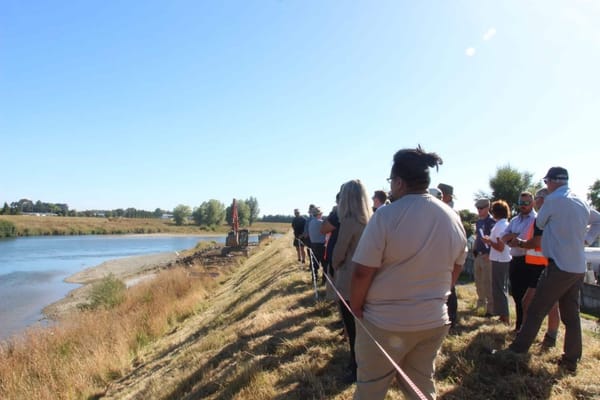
<point x="237" y="364"/>
<point x="479" y="374"/>
<point x="279" y="348"/>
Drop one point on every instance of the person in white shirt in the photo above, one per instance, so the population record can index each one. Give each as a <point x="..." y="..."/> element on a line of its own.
<point x="500" y="258"/>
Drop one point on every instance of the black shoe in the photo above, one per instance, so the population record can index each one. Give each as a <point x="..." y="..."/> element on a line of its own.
<point x="506" y="356"/>
<point x="567" y="365"/>
<point x="548" y="341"/>
<point x="349" y="378"/>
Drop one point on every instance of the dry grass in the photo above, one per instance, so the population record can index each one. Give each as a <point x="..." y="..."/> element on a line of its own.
<point x="79" y="356"/>
<point x="27" y="225"/>
<point x="259" y="334"/>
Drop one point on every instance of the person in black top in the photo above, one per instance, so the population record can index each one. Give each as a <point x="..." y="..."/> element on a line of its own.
<point x="298" y="225"/>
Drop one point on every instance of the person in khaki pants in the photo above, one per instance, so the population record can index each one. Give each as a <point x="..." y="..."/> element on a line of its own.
<point x="408" y="257"/>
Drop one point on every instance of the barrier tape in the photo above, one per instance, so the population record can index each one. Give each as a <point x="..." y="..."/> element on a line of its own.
<point x="407" y="381"/>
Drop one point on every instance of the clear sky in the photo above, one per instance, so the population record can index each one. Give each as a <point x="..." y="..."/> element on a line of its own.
<point x="111" y="104"/>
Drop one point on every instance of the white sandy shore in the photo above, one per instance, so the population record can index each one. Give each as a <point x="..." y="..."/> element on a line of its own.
<point x="130" y="270"/>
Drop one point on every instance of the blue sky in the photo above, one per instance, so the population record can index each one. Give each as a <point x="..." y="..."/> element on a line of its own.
<point x="152" y="104"/>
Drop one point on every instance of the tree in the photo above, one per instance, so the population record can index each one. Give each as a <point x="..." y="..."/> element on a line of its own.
<point x="594" y="194"/>
<point x="5" y="210"/>
<point x="181" y="213"/>
<point x="210" y="213"/>
<point x="508" y="183"/>
<point x="254" y="210"/>
<point x="468" y="219"/>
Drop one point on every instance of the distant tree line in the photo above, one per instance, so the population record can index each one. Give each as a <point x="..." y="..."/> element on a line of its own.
<point x="214" y="213"/>
<point x="28" y="206"/>
<point x="208" y="214"/>
<point x="277" y="218"/>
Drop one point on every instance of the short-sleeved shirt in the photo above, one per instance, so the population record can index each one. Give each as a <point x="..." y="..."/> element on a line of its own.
<point x="414" y="243"/>
<point x="298" y="225"/>
<point x="521" y="225"/>
<point x="314" y="231"/>
<point x="495" y="236"/>
<point x="564" y="219"/>
<point x="484" y="225"/>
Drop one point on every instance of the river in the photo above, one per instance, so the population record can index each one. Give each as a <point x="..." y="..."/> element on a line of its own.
<point x="33" y="269"/>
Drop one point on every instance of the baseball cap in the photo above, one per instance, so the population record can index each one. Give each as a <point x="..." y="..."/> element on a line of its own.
<point x="558" y="173"/>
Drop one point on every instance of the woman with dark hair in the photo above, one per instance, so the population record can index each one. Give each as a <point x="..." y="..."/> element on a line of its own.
<point x="409" y="255"/>
<point x="354" y="212"/>
<point x="500" y="257"/>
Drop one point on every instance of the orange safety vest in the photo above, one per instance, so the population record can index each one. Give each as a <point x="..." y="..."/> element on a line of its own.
<point x="535" y="256"/>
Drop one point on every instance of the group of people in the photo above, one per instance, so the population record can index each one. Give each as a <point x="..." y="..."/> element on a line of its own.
<point x="395" y="266"/>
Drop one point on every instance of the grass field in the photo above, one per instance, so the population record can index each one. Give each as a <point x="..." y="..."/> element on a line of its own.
<point x="27" y="225"/>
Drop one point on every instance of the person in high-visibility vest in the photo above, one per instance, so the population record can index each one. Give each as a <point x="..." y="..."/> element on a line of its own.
<point x="564" y="223"/>
<point x="520" y="275"/>
<point x="534" y="256"/>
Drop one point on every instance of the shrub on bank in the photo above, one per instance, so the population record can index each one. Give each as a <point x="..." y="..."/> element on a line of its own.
<point x="108" y="293"/>
<point x="7" y="229"/>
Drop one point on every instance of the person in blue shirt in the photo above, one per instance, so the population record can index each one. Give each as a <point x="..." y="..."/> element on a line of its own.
<point x="562" y="225"/>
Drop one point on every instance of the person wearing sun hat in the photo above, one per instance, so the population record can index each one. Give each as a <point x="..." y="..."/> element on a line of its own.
<point x="561" y="224"/>
<point x="452" y="301"/>
<point x="447" y="194"/>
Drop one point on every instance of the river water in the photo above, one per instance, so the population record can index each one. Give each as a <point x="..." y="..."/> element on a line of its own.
<point x="33" y="269"/>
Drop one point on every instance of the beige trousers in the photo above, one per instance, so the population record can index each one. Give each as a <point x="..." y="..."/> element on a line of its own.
<point x="414" y="352"/>
<point x="482" y="269"/>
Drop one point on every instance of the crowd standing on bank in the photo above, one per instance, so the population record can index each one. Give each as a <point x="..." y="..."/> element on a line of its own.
<point x="395" y="262"/>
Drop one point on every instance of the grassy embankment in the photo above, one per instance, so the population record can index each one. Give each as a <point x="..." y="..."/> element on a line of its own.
<point x="27" y="225"/>
<point x="256" y="333"/>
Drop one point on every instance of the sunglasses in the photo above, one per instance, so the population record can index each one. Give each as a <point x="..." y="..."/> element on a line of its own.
<point x="481" y="208"/>
<point x="524" y="202"/>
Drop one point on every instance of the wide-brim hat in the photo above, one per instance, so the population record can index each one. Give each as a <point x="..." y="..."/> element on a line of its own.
<point x="446" y="189"/>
